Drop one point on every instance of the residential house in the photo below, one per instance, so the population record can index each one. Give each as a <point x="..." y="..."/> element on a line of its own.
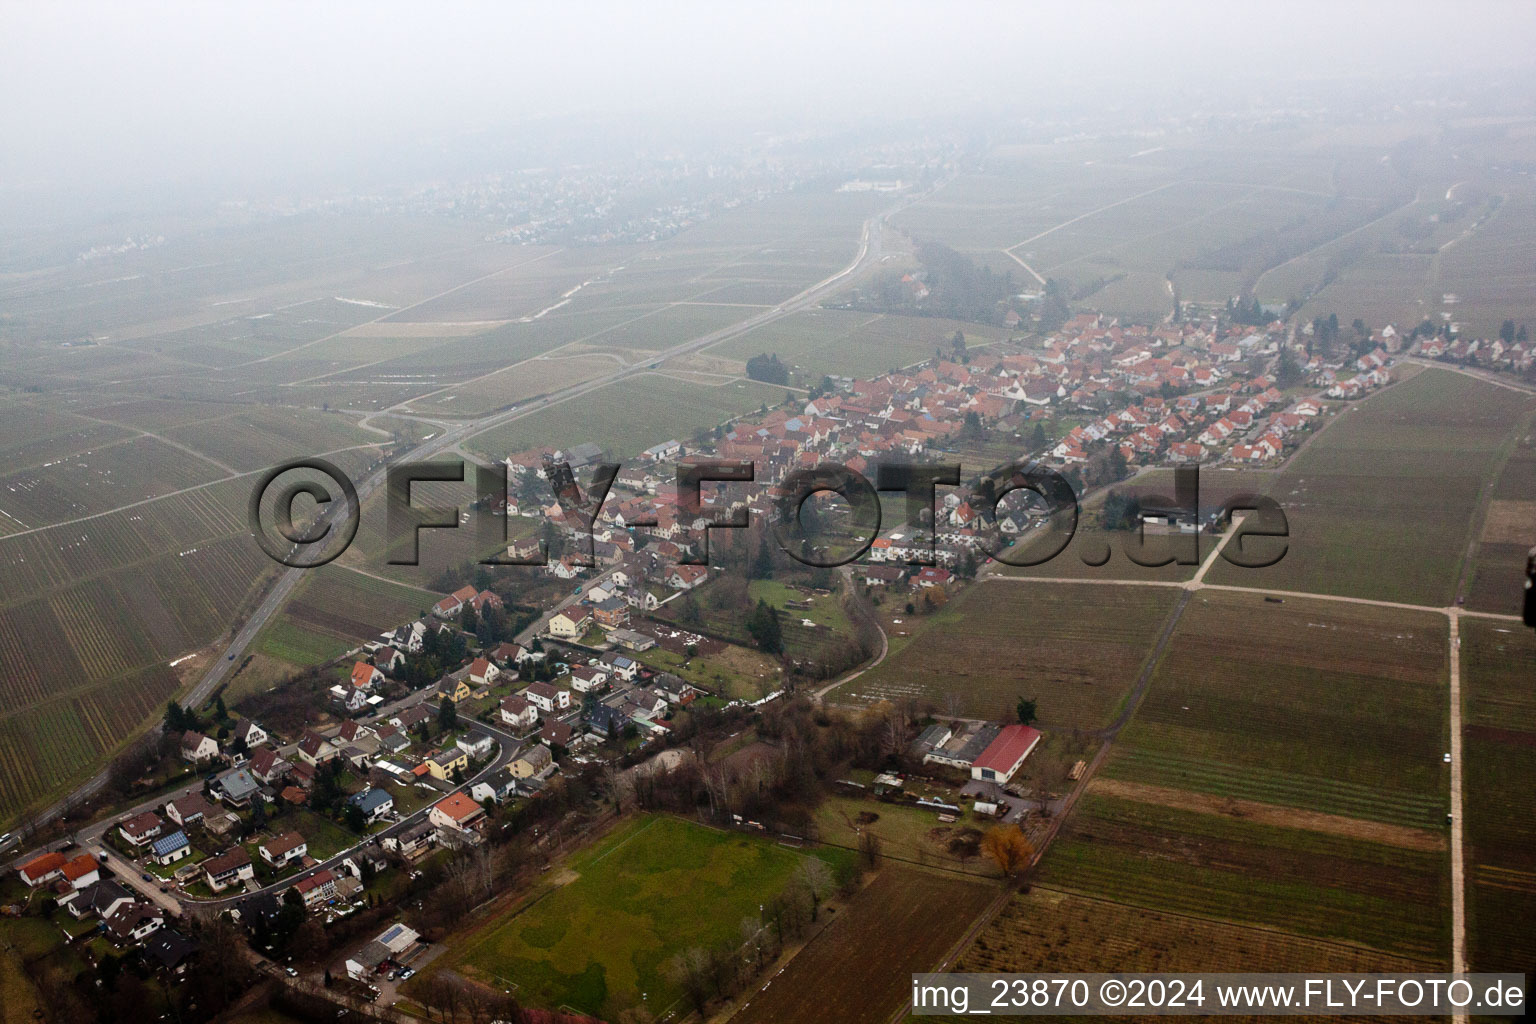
<point x="456" y="811"/>
<point x="171" y="950"/>
<point x="620" y="666"/>
<point x="190" y="809"/>
<point x="483" y="672"/>
<point x="267" y="765"/>
<point x="612" y="613"/>
<point x="518" y="714"/>
<point x="250" y="733"/>
<point x="374" y="803"/>
<point x="365" y="676"/>
<point x="81" y="871"/>
<point x="280" y="851"/>
<point x="498" y="789"/>
<point x="570" y="623"/>
<point x="453" y="603"/>
<point x="317" y="889"/>
<point x="141" y="828"/>
<point x="228" y="868"/>
<point x="100" y="900"/>
<point x="547" y="698"/>
<point x="196" y="747"/>
<point x="45" y="868"/>
<point x="533" y="761"/>
<point x="686" y="577"/>
<point x="170" y="849"/>
<point x="476" y="744"/>
<point x="585" y="678"/>
<point x="455" y="690"/>
<point x="237" y="786"/>
<point x="133" y="923"/>
<point x="557" y="734"/>
<point x="412" y="841"/>
<point x="443" y="763"/>
<point x="315" y="749"/>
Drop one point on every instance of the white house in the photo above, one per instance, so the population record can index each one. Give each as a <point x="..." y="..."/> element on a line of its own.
<point x="476" y="744"/>
<point x="284" y="849"/>
<point x="546" y="698"/>
<point x="170" y="849"/>
<point x="483" y="671"/>
<point x="196" y="747"/>
<point x="518" y="713"/>
<point x="251" y="733"/>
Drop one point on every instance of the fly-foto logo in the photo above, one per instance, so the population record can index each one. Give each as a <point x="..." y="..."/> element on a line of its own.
<point x="1053" y="522"/>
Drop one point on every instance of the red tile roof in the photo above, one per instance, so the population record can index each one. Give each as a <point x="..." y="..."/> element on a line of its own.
<point x="1011" y="745"/>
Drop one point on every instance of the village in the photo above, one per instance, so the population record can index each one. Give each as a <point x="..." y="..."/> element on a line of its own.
<point x="409" y="769"/>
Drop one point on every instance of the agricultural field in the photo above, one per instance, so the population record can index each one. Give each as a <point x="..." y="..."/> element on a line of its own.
<point x="1222" y="867"/>
<point x="625" y="889"/>
<point x="851" y="344"/>
<point x="541" y="375"/>
<point x="1324" y="706"/>
<point x="333" y="610"/>
<point x="1499" y="760"/>
<point x="91" y="482"/>
<point x="119" y="596"/>
<point x="1379" y="504"/>
<point x="858" y="970"/>
<point x="1507" y="534"/>
<point x="1049" y="929"/>
<point x="1076" y="649"/>
<point x="258" y="438"/>
<point x="627" y="417"/>
<point x="354" y="607"/>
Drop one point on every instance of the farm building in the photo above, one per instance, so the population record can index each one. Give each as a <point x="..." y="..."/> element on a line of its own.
<point x="1005" y="755"/>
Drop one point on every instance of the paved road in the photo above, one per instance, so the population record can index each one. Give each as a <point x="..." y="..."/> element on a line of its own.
<point x="542" y="623"/>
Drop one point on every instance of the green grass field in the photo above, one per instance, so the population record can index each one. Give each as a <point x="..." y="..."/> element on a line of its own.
<point x="652" y="889"/>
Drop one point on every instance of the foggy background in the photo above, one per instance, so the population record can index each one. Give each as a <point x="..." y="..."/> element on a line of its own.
<point x="139" y="94"/>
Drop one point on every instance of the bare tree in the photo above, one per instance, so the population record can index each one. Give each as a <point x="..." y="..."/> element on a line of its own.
<point x="1047" y="775"/>
<point x="869" y="848"/>
<point x="818" y="882"/>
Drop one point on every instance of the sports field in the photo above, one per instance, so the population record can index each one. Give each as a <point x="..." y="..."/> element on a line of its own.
<point x="651" y="890"/>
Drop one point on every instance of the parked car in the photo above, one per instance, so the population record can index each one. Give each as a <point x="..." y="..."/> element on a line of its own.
<point x="290" y="972"/>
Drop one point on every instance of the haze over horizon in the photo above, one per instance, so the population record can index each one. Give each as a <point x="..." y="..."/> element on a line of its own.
<point x="233" y="95"/>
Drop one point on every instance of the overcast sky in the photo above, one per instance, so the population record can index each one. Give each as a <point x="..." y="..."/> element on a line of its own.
<point x="130" y="90"/>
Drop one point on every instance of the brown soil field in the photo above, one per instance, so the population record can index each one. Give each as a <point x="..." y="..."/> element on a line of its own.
<point x="1510" y="522"/>
<point x="1048" y="930"/>
<point x="1271" y="814"/>
<point x="859" y="969"/>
